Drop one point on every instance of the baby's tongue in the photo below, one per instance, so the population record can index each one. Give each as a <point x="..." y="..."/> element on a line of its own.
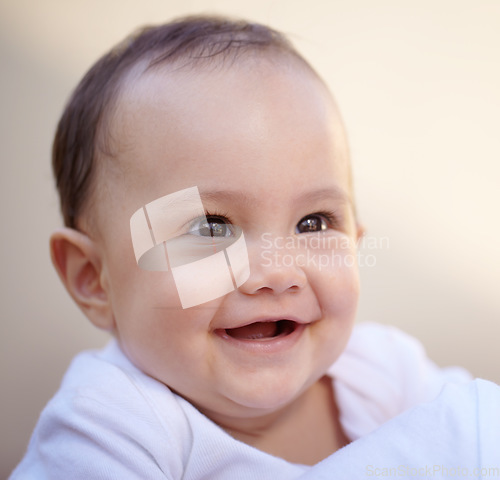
<point x="254" y="331"/>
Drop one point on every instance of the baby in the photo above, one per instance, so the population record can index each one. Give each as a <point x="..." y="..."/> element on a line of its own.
<point x="199" y="164"/>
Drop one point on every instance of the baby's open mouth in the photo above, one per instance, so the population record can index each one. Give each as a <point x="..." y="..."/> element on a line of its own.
<point x="262" y="330"/>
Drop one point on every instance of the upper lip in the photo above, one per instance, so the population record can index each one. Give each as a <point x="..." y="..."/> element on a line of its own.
<point x="267" y="318"/>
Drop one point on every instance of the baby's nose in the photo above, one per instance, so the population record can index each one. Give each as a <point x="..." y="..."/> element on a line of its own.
<point x="273" y="269"/>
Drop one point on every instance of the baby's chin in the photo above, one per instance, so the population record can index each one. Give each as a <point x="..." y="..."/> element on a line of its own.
<point x="262" y="399"/>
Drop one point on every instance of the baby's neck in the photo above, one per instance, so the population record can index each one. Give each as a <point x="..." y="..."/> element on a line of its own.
<point x="304" y="432"/>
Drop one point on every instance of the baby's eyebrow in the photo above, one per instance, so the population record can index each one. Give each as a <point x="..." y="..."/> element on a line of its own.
<point x="226" y="195"/>
<point x="332" y="192"/>
<point x="329" y="193"/>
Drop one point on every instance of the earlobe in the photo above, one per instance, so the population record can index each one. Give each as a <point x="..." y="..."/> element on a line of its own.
<point x="77" y="261"/>
<point x="360" y="232"/>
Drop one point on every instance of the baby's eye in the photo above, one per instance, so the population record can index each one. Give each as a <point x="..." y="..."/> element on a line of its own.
<point x="211" y="226"/>
<point x="312" y="223"/>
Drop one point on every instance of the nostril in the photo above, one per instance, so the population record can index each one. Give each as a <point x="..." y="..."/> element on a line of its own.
<point x="265" y="289"/>
<point x="276" y="290"/>
<point x="274" y="279"/>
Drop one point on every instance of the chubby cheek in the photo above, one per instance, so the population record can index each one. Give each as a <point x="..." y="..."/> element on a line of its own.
<point x="161" y="338"/>
<point x="339" y="291"/>
<point x="156" y="333"/>
<point x="139" y="302"/>
<point x="144" y="304"/>
<point x="336" y="287"/>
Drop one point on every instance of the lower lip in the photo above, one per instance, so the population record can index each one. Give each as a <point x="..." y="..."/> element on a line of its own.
<point x="267" y="346"/>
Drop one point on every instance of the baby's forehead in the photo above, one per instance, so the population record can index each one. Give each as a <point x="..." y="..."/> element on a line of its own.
<point x="187" y="95"/>
<point x="196" y="105"/>
<point x="184" y="117"/>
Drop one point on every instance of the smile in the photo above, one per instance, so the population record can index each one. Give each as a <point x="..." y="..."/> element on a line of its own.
<point x="262" y="331"/>
<point x="266" y="336"/>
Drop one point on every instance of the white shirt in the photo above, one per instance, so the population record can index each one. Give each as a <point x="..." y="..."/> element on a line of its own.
<point x="111" y="421"/>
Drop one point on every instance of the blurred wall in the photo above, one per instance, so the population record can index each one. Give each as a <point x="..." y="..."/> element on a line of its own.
<point x="417" y="82"/>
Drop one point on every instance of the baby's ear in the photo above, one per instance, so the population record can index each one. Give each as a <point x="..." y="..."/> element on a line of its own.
<point x="360" y="231"/>
<point x="77" y="260"/>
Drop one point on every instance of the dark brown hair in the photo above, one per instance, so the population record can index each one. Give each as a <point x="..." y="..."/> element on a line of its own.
<point x="190" y="40"/>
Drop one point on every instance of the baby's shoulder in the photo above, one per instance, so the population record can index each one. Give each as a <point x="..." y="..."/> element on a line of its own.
<point x="116" y="417"/>
<point x="383" y="372"/>
<point x="108" y="379"/>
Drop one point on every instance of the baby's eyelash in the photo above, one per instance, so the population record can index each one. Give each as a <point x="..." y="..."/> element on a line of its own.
<point x="331" y="216"/>
<point x="195" y="220"/>
<point x="219" y="214"/>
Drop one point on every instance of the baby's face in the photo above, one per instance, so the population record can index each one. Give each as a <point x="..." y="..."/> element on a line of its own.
<point x="266" y="151"/>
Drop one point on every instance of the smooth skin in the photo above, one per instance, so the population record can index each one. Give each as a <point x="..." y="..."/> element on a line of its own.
<point x="264" y="144"/>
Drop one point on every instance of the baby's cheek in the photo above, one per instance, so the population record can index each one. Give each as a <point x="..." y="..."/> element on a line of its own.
<point x="337" y="283"/>
<point x="336" y="290"/>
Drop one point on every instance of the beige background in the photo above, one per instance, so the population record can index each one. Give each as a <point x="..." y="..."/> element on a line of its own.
<point x="418" y="83"/>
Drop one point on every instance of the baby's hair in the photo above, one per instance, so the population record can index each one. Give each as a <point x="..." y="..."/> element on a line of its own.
<point x="188" y="41"/>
